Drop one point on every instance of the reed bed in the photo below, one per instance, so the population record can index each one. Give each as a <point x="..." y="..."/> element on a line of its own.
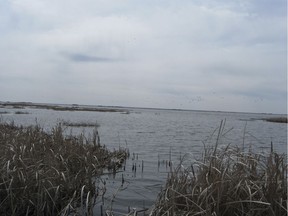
<point x="278" y="120"/>
<point x="48" y="174"/>
<point x="226" y="181"/>
<point x="80" y="124"/>
<point x="20" y="112"/>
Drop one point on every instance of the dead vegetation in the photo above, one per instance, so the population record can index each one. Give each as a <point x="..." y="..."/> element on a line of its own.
<point x="48" y="174"/>
<point x="226" y="181"/>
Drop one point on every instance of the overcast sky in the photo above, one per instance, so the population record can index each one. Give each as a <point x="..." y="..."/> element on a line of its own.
<point x="224" y="55"/>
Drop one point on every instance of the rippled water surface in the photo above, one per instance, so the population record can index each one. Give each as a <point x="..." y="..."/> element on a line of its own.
<point x="156" y="136"/>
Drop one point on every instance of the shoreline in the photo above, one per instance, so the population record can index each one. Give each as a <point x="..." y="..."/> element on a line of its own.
<point x="72" y="107"/>
<point x="101" y="108"/>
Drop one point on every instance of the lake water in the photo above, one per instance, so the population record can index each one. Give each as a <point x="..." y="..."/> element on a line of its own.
<point x="153" y="136"/>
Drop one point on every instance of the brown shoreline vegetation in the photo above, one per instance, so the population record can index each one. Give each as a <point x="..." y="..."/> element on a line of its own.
<point x="226" y="181"/>
<point x="278" y="119"/>
<point x="20" y="112"/>
<point x="47" y="174"/>
<point x="80" y="124"/>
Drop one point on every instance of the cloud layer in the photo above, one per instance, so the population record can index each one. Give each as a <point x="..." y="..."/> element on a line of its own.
<point x="211" y="55"/>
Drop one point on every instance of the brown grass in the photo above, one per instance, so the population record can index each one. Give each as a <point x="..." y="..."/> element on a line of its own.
<point x="48" y="174"/>
<point x="226" y="181"/>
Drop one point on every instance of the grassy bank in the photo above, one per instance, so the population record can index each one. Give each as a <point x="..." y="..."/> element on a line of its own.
<point x="226" y="181"/>
<point x="48" y="174"/>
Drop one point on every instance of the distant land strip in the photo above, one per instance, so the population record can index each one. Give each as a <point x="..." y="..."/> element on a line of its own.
<point x="74" y="107"/>
<point x="278" y="119"/>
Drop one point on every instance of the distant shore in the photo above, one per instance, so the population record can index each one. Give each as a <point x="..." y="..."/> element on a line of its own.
<point x="109" y="108"/>
<point x="277" y="120"/>
<point x="73" y="107"/>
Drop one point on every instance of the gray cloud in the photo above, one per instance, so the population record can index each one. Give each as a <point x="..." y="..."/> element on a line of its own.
<point x="87" y="58"/>
<point x="152" y="53"/>
<point x="269" y="8"/>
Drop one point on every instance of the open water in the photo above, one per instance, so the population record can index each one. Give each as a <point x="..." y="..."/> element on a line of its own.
<point x="153" y="137"/>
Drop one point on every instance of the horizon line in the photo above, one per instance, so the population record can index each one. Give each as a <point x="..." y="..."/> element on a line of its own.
<point x="135" y="107"/>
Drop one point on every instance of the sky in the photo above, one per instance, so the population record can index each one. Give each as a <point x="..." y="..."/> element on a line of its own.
<point x="220" y="55"/>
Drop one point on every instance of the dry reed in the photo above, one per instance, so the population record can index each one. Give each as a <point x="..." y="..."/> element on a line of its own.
<point x="48" y="174"/>
<point x="226" y="181"/>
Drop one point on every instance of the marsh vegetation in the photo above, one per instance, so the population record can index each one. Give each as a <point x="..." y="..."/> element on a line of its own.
<point x="226" y="181"/>
<point x="80" y="124"/>
<point x="59" y="175"/>
<point x="21" y="112"/>
<point x="49" y="174"/>
<point x="278" y="119"/>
